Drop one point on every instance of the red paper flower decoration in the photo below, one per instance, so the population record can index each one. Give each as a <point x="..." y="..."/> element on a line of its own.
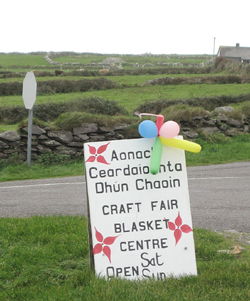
<point x="101" y="246"/>
<point x="178" y="228"/>
<point x="96" y="154"/>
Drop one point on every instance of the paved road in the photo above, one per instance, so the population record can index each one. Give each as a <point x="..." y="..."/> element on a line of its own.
<point x="219" y="196"/>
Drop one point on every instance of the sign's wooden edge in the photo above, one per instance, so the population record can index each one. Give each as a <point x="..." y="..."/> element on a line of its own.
<point x="91" y="254"/>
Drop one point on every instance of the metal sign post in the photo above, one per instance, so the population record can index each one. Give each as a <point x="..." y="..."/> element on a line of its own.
<point x="29" y="98"/>
<point x="29" y="136"/>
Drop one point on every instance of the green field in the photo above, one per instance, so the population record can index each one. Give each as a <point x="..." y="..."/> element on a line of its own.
<point x="18" y="61"/>
<point x="132" y="59"/>
<point x="130" y="98"/>
<point x="129" y="91"/>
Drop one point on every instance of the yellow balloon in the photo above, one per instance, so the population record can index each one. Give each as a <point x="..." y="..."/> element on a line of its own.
<point x="182" y="144"/>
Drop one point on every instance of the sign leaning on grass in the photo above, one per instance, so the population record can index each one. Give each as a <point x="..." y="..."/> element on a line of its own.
<point x="139" y="224"/>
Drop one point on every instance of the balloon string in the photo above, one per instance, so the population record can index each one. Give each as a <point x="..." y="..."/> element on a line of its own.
<point x="145" y="114"/>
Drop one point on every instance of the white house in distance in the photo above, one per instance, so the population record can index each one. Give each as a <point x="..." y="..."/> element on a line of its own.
<point x="236" y="53"/>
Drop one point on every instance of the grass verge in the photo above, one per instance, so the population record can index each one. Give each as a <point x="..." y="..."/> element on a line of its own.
<point x="220" y="149"/>
<point x="47" y="258"/>
<point x="21" y="171"/>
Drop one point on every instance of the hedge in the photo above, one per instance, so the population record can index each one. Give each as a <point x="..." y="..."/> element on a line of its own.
<point x="208" y="103"/>
<point x="51" y="111"/>
<point x="59" y="86"/>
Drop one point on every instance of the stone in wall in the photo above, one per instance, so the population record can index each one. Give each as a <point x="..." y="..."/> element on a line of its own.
<point x="234" y="122"/>
<point x="36" y="130"/>
<point x="43" y="150"/>
<point x="11" y="136"/>
<point x="3" y="145"/>
<point x="45" y="140"/>
<point x="61" y="136"/>
<point x="64" y="150"/>
<point x="85" y="128"/>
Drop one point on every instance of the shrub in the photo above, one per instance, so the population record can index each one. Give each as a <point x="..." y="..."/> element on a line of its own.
<point x="245" y="108"/>
<point x="69" y="120"/>
<point x="43" y="73"/>
<point x="208" y="103"/>
<point x="131" y="131"/>
<point x="2" y="164"/>
<point x="227" y="79"/>
<point x="12" y="115"/>
<point x="235" y="114"/>
<point x="25" y="122"/>
<point x="59" y="86"/>
<point x="51" y="111"/>
<point x="241" y="109"/>
<point x="99" y="106"/>
<point x="181" y="113"/>
<point x="212" y="138"/>
<point x="68" y="86"/>
<point x="220" y="64"/>
<point x="51" y="159"/>
<point x="11" y="88"/>
<point x="14" y="159"/>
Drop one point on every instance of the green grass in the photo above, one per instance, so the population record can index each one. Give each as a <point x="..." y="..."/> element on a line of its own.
<point x="21" y="171"/>
<point x="131" y="98"/>
<point x="8" y="127"/>
<point x="47" y="258"/>
<point x="219" y="149"/>
<point x="32" y="60"/>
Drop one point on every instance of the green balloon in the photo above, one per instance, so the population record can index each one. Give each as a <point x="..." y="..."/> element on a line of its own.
<point x="156" y="156"/>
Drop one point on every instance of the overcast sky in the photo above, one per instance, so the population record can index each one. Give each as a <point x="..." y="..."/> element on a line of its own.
<point x="124" y="27"/>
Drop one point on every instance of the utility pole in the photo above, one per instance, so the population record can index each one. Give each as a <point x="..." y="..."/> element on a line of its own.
<point x="214" y="47"/>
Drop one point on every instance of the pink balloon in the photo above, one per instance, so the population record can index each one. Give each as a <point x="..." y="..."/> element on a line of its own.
<point x="169" y="129"/>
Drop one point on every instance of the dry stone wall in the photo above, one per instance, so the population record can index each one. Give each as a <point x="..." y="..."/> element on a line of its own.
<point x="47" y="141"/>
<point x="219" y="124"/>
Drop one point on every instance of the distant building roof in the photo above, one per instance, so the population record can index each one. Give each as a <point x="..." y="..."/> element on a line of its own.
<point x="237" y="52"/>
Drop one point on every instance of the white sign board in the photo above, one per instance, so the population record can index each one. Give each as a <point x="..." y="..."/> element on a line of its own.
<point x="141" y="223"/>
<point x="29" y="90"/>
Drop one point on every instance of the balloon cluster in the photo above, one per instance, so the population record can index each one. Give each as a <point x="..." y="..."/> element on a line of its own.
<point x="164" y="133"/>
